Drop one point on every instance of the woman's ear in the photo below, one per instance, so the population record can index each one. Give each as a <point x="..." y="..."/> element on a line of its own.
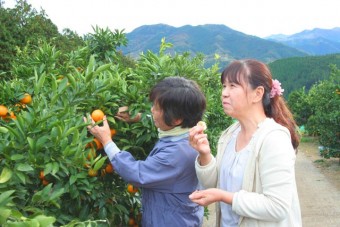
<point x="258" y="94"/>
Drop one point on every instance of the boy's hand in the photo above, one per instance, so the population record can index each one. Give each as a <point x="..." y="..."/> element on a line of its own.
<point x="102" y="133"/>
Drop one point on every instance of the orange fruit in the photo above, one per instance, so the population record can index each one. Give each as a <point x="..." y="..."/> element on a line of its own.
<point x="41" y="175"/>
<point x="3" y="110"/>
<point x="97" y="115"/>
<point x="113" y="132"/>
<point x="131" y="221"/>
<point x="27" y="99"/>
<point x="99" y="145"/>
<point x="45" y="182"/>
<point x="109" y="168"/>
<point x="132" y="189"/>
<point x="92" y="173"/>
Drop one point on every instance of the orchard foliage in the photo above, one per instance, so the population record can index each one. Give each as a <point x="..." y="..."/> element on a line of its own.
<point x="325" y="102"/>
<point x="22" y="25"/>
<point x="319" y="111"/>
<point x="52" y="170"/>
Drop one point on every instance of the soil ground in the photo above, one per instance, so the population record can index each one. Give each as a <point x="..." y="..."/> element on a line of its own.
<point x="330" y="168"/>
<point x="318" y="182"/>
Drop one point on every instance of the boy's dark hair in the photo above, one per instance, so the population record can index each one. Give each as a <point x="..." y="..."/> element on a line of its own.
<point x="179" y="98"/>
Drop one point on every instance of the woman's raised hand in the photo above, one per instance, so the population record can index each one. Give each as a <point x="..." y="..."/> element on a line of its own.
<point x="199" y="140"/>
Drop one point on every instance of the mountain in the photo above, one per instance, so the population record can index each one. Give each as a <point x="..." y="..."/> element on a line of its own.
<point x="209" y="40"/>
<point x="313" y="42"/>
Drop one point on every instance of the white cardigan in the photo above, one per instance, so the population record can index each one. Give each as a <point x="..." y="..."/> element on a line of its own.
<point x="269" y="194"/>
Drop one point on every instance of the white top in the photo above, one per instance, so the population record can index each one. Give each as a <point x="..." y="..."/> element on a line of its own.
<point x="231" y="177"/>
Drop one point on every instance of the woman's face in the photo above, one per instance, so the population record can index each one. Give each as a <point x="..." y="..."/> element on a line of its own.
<point x="234" y="99"/>
<point x="157" y="114"/>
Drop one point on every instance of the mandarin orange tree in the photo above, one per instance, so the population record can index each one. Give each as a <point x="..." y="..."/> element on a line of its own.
<point x="49" y="136"/>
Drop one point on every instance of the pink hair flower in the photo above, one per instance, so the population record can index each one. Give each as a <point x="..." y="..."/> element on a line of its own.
<point x="276" y="89"/>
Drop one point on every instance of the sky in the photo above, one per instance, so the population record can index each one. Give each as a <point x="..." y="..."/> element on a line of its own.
<point x="260" y="18"/>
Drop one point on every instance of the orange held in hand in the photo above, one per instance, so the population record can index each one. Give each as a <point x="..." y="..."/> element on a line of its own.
<point x="97" y="115"/>
<point x="203" y="124"/>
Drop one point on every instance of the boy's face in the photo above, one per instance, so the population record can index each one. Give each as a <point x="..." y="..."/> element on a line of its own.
<point x="157" y="114"/>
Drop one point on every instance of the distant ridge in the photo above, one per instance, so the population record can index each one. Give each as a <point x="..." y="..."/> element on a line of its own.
<point x="313" y="42"/>
<point x="209" y="39"/>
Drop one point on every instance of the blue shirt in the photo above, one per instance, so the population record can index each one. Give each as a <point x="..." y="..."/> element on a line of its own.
<point x="231" y="177"/>
<point x="167" y="178"/>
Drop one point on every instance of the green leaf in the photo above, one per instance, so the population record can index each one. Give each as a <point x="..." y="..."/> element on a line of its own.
<point x="6" y="174"/>
<point x="5" y="197"/>
<point x="31" y="143"/>
<point x="24" y="167"/>
<point x="75" y="138"/>
<point x="90" y="68"/>
<point x="102" y="68"/>
<point x="55" y="167"/>
<point x="73" y="179"/>
<point x="57" y="193"/>
<point x="71" y="80"/>
<point x="99" y="163"/>
<point x="4" y="214"/>
<point x="40" y="82"/>
<point x="48" y="168"/>
<point x="21" y="176"/>
<point x="45" y="221"/>
<point x="17" y="157"/>
<point x="3" y="130"/>
<point x="70" y="130"/>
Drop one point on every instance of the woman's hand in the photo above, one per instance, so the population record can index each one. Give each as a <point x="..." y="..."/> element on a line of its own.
<point x="102" y="133"/>
<point x="199" y="141"/>
<point x="211" y="195"/>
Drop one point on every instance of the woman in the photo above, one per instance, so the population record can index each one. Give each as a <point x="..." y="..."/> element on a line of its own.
<point x="252" y="178"/>
<point x="167" y="176"/>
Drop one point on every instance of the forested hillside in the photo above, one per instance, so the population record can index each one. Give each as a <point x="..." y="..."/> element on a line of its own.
<point x="298" y="72"/>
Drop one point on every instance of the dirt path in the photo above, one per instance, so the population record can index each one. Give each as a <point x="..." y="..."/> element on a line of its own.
<point x="318" y="187"/>
<point x="319" y="192"/>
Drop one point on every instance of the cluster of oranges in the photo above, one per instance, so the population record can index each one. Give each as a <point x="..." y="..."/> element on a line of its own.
<point x="8" y="115"/>
<point x="98" y="115"/>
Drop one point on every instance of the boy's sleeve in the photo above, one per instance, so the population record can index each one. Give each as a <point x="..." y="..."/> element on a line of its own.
<point x="111" y="150"/>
